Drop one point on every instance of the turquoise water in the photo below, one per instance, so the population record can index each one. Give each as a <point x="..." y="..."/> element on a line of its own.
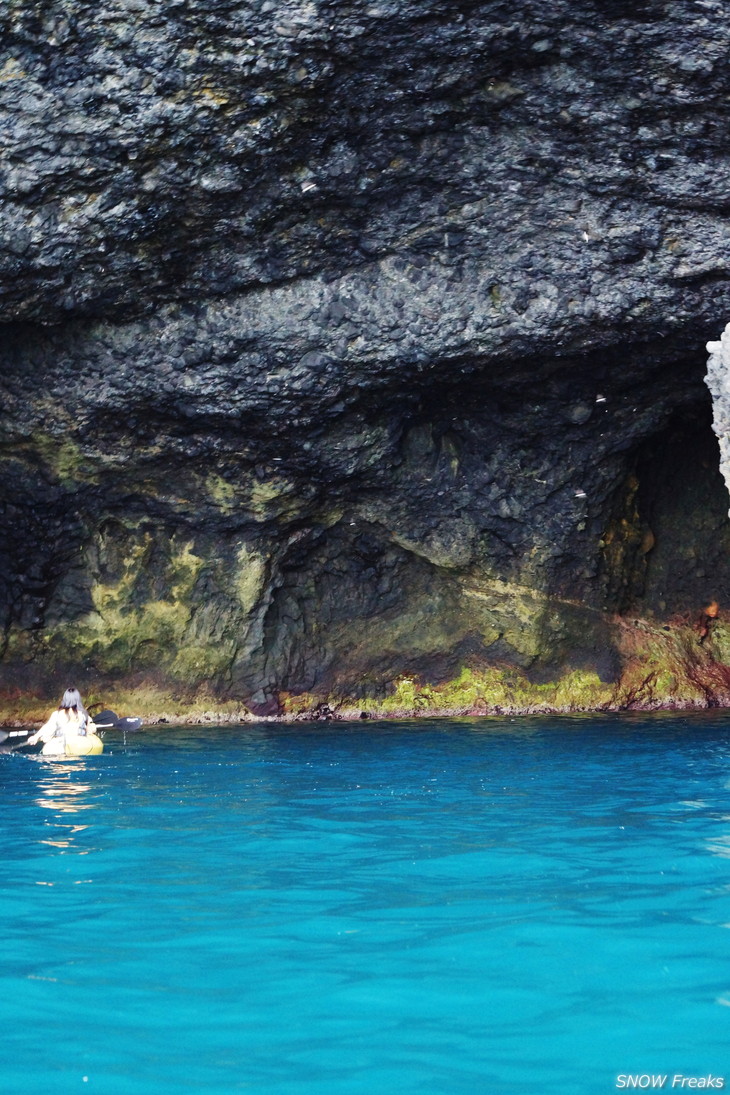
<point x="445" y="908"/>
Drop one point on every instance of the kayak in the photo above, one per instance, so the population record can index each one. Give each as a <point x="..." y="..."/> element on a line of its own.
<point x="82" y="745"/>
<point x="76" y="745"/>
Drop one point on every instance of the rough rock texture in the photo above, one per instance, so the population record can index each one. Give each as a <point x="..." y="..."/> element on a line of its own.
<point x="348" y="344"/>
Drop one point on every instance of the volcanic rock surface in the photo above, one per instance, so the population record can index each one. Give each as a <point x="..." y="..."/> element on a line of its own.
<point x="354" y="343"/>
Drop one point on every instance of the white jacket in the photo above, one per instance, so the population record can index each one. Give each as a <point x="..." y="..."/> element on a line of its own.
<point x="66" y="723"/>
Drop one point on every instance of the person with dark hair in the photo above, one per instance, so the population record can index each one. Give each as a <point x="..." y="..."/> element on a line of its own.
<point x="70" y="729"/>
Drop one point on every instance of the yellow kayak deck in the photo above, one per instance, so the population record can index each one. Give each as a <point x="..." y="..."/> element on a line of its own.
<point x="78" y="745"/>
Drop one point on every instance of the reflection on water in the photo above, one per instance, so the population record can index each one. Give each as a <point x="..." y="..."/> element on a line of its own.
<point x="720" y="846"/>
<point x="66" y="797"/>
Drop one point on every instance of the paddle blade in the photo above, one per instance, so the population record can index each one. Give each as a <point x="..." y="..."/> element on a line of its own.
<point x="105" y="720"/>
<point x="127" y="724"/>
<point x="14" y="739"/>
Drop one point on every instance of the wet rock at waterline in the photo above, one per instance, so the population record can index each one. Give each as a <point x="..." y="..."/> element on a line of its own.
<point x="357" y="351"/>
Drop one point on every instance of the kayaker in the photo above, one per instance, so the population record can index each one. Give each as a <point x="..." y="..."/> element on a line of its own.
<point x="70" y="721"/>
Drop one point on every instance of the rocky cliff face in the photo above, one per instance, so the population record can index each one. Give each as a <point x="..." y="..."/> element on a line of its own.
<point x="356" y="349"/>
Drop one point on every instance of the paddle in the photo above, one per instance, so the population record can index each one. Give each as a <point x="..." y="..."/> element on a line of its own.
<point x="128" y="723"/>
<point x="105" y="720"/>
<point x="13" y="739"/>
<point x="5" y="735"/>
<point x="109" y="720"/>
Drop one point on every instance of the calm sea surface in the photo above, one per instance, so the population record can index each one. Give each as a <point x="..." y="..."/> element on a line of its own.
<point x="444" y="908"/>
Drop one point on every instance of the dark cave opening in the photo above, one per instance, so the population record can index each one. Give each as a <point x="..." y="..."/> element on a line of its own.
<point x="675" y="521"/>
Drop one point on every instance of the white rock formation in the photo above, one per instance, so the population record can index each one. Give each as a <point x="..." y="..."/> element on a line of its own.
<point x="718" y="381"/>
